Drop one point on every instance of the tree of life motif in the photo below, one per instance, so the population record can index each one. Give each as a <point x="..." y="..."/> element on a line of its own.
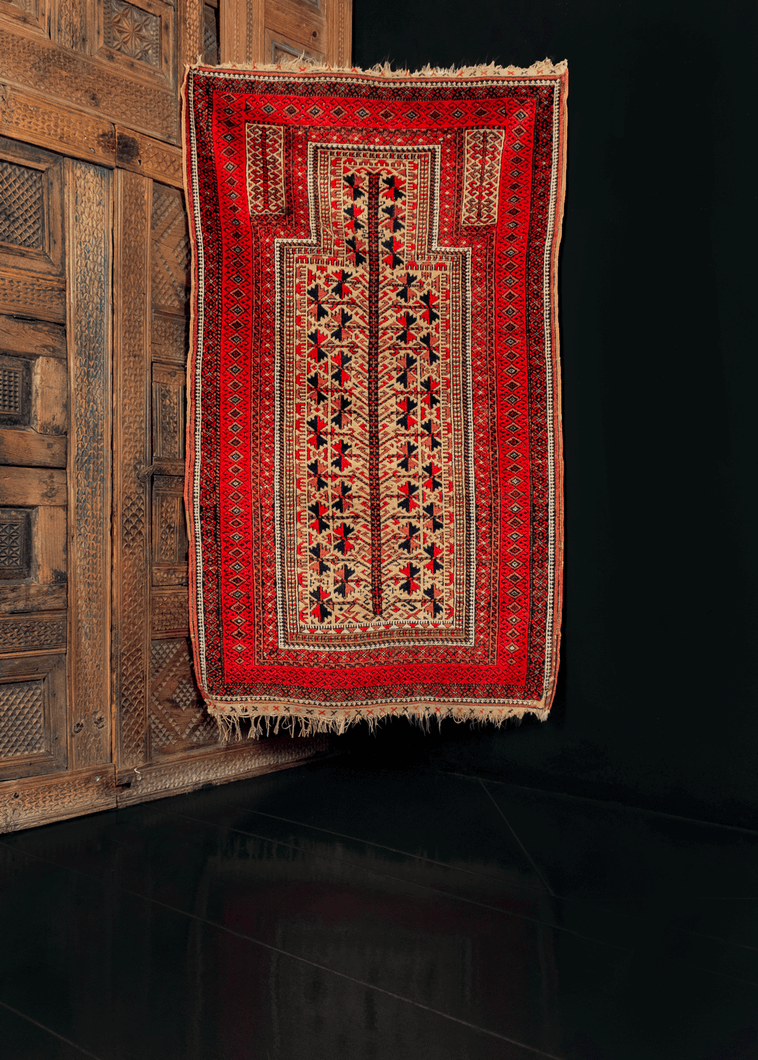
<point x="375" y="516"/>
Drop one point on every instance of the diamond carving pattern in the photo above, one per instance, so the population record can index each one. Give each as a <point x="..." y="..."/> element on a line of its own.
<point x="132" y="31"/>
<point x="178" y="718"/>
<point x="11" y="549"/>
<point x="210" y="34"/>
<point x="22" y="712"/>
<point x="171" y="248"/>
<point x="21" y="205"/>
<point x="132" y="366"/>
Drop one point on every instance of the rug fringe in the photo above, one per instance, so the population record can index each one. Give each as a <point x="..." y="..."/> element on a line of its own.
<point x="312" y="721"/>
<point x="301" y="65"/>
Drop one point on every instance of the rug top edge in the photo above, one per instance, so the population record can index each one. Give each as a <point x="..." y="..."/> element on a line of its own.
<point x="542" y="68"/>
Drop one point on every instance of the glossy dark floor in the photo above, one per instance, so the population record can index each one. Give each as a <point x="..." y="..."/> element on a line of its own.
<point x="343" y="911"/>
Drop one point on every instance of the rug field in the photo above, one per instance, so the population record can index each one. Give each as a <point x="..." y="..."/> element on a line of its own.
<point x="374" y="473"/>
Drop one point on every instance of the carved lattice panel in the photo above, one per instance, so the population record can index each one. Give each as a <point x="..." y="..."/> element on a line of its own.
<point x="169" y="531"/>
<point x="169" y="412"/>
<point x="22" y="718"/>
<point x="210" y="34"/>
<point x="31" y="200"/>
<point x="178" y="719"/>
<point x="32" y="715"/>
<point x="22" y="211"/>
<point x="14" y="391"/>
<point x="171" y="250"/>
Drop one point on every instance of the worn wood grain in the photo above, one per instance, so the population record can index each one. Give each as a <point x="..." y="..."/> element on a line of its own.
<point x="33" y="14"/>
<point x="339" y="32"/>
<point x="27" y="448"/>
<point x="32" y="337"/>
<point x="301" y="26"/>
<point x="88" y="223"/>
<point x="49" y="396"/>
<point x="241" y="28"/>
<point x="31" y="487"/>
<point x="50" y="545"/>
<point x="19" y="598"/>
<point x="40" y="800"/>
<point x="131" y="603"/>
<point x="148" y="156"/>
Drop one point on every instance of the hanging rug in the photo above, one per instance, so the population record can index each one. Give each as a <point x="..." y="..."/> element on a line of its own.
<point x="374" y="452"/>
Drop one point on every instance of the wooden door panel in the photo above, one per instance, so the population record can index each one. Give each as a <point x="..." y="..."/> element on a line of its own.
<point x="94" y="314"/>
<point x="178" y="720"/>
<point x="55" y="457"/>
<point x="294" y="27"/>
<point x="32" y="715"/>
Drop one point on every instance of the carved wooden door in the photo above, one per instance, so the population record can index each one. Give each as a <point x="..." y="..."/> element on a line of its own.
<point x="98" y="704"/>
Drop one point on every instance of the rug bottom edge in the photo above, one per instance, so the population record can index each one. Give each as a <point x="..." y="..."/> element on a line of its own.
<point x="234" y="719"/>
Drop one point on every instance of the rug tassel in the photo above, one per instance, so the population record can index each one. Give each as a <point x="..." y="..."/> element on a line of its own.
<point x="308" y="721"/>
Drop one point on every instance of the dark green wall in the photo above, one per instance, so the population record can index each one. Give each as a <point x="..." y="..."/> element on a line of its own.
<point x="657" y="702"/>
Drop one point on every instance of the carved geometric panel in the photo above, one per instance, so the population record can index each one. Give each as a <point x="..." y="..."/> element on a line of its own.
<point x="170" y="338"/>
<point x="21" y="205"/>
<point x="169" y="386"/>
<point x="32" y="715"/>
<point x="132" y="31"/>
<point x="138" y="37"/>
<point x="15" y="543"/>
<point x="169" y="613"/>
<point x="170" y="544"/>
<point x="178" y="719"/>
<point x="170" y="249"/>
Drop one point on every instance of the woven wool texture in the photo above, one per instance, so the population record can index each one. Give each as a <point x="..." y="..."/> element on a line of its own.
<point x="374" y="470"/>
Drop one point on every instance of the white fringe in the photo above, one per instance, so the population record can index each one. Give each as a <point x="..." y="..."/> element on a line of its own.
<point x="310" y="721"/>
<point x="301" y="65"/>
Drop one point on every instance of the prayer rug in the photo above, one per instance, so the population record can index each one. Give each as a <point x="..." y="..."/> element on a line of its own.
<point x="374" y="469"/>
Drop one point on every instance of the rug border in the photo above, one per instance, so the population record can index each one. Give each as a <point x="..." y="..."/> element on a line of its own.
<point x="302" y="718"/>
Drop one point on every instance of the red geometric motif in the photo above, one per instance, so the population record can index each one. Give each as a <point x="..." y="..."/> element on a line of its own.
<point x="374" y="473"/>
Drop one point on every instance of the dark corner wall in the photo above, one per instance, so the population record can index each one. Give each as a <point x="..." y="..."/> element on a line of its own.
<point x="658" y="696"/>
